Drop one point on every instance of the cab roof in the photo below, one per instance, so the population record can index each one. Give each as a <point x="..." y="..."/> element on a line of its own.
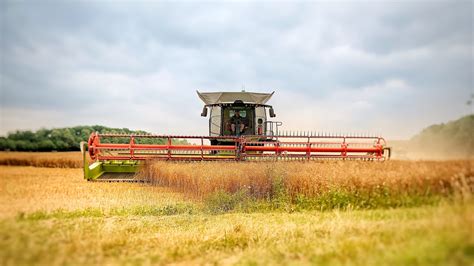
<point x="210" y="98"/>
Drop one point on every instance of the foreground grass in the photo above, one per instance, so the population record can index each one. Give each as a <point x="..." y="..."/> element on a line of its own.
<point x="441" y="235"/>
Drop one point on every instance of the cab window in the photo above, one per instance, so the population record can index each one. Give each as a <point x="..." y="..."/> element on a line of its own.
<point x="242" y="113"/>
<point x="247" y="115"/>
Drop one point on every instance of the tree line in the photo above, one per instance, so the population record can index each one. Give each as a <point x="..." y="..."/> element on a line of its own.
<point x="452" y="138"/>
<point x="66" y="139"/>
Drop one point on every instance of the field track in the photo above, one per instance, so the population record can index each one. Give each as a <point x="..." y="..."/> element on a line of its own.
<point x="30" y="189"/>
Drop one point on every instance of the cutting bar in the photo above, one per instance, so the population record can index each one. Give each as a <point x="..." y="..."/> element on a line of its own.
<point x="118" y="154"/>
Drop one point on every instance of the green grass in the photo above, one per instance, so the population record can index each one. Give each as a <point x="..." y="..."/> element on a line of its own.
<point x="242" y="201"/>
<point x="428" y="235"/>
<point x="145" y="210"/>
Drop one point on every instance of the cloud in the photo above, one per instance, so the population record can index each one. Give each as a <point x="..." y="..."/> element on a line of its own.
<point x="392" y="67"/>
<point x="347" y="110"/>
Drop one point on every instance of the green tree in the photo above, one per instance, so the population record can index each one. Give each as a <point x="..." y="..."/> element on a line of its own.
<point x="64" y="139"/>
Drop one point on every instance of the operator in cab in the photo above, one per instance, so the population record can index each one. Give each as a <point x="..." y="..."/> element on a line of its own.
<point x="237" y="124"/>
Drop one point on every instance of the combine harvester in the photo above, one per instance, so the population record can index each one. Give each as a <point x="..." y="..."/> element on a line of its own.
<point x="239" y="130"/>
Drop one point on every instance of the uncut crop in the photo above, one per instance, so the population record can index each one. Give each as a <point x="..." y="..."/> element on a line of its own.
<point x="325" y="184"/>
<point x="42" y="159"/>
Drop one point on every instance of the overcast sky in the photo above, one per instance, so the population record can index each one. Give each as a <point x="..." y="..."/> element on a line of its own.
<point x="391" y="68"/>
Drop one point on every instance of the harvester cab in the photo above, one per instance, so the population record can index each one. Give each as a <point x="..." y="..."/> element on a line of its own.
<point x="238" y="114"/>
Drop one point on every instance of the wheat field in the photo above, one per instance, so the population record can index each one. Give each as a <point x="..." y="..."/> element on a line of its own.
<point x="52" y="216"/>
